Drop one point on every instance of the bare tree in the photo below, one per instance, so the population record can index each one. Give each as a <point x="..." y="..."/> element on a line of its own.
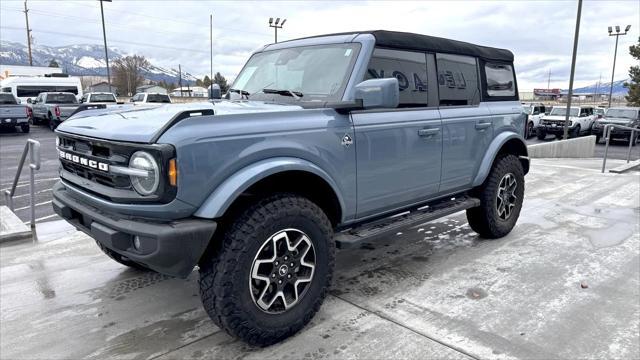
<point x="127" y="73"/>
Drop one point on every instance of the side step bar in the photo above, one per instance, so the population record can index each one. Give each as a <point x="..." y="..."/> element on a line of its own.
<point x="354" y="237"/>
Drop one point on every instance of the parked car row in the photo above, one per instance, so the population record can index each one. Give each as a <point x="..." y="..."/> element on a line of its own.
<point x="583" y="120"/>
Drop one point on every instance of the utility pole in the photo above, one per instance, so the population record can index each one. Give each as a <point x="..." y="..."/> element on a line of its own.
<point x="211" y="54"/>
<point x="615" y="54"/>
<point x="106" y="49"/>
<point x="573" y="70"/>
<point x="26" y="16"/>
<point x="276" y="26"/>
<point x="180" y="79"/>
<point x="549" y="80"/>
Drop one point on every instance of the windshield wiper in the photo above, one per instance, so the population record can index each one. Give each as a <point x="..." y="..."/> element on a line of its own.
<point x="239" y="91"/>
<point x="284" y="92"/>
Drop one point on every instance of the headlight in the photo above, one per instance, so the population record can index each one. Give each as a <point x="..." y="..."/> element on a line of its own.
<point x="145" y="185"/>
<point x="57" y="141"/>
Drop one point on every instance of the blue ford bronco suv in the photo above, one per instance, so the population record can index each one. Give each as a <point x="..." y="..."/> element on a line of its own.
<point x="321" y="142"/>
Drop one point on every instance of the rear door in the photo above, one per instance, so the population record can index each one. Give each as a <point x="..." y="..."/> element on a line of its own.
<point x="467" y="124"/>
<point x="399" y="151"/>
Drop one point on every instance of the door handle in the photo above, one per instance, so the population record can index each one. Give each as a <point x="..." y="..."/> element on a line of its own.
<point x="482" y="125"/>
<point x="428" y="132"/>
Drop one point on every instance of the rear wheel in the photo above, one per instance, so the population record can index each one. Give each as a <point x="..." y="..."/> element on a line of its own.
<point x="25" y="128"/>
<point x="52" y="123"/>
<point x="633" y="139"/>
<point x="272" y="271"/>
<point x="501" y="197"/>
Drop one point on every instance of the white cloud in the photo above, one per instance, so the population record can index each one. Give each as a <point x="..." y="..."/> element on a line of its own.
<point x="539" y="33"/>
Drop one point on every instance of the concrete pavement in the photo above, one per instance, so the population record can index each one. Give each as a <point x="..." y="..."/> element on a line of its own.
<point x="564" y="284"/>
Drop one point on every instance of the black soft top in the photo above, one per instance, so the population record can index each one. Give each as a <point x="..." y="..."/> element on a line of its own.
<point x="412" y="41"/>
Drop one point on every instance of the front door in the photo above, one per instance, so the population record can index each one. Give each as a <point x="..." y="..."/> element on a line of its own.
<point x="398" y="151"/>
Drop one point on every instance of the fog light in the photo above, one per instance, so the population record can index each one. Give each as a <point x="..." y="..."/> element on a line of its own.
<point x="136" y="242"/>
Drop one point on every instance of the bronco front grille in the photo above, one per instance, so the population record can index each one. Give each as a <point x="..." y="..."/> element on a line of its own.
<point x="99" y="151"/>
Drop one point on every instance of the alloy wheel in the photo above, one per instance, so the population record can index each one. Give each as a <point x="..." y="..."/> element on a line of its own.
<point x="282" y="271"/>
<point x="506" y="197"/>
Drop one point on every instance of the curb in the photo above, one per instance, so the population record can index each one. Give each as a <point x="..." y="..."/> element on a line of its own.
<point x="11" y="227"/>
<point x="582" y="147"/>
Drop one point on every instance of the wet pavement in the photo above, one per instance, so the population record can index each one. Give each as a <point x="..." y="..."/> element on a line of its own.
<point x="564" y="284"/>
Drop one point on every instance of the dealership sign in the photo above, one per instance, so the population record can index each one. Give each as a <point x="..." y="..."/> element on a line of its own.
<point x="546" y="92"/>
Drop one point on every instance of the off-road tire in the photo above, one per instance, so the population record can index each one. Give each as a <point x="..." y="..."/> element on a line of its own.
<point x="224" y="275"/>
<point x="560" y="136"/>
<point x="575" y="132"/>
<point x="25" y="128"/>
<point x="484" y="219"/>
<point x="121" y="259"/>
<point x="598" y="138"/>
<point x="541" y="134"/>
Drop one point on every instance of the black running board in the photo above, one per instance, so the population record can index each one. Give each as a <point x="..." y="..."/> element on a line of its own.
<point x="354" y="237"/>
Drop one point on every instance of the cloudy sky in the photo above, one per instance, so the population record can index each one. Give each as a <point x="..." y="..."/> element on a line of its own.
<point x="540" y="33"/>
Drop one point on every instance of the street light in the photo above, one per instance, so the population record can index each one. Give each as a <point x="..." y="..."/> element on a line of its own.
<point x="615" y="54"/>
<point x="277" y="25"/>
<point x="106" y="51"/>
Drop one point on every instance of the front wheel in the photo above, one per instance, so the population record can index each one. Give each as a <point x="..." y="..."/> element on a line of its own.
<point x="576" y="132"/>
<point x="25" y="128"/>
<point x="52" y="123"/>
<point x="541" y="134"/>
<point x="501" y="197"/>
<point x="272" y="271"/>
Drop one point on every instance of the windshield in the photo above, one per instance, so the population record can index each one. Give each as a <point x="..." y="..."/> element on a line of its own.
<point x="61" y="99"/>
<point x="158" y="98"/>
<point x="622" y="113"/>
<point x="527" y="110"/>
<point x="7" y="99"/>
<point x="562" y="111"/>
<point x="102" y="98"/>
<point x="318" y="72"/>
<point x="598" y="111"/>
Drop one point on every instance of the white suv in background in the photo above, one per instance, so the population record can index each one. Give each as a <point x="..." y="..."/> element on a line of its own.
<point x="581" y="120"/>
<point x="534" y="112"/>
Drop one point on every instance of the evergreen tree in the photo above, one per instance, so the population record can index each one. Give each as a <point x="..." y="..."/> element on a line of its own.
<point x="206" y="82"/>
<point x="198" y="82"/>
<point x="633" y="98"/>
<point x="221" y="81"/>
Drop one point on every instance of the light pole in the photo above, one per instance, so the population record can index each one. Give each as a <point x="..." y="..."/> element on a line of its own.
<point x="573" y="70"/>
<point x="615" y="54"/>
<point x="275" y="25"/>
<point x="106" y="50"/>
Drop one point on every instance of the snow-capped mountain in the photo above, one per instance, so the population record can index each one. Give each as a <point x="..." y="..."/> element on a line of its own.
<point x="82" y="59"/>
<point x="603" y="88"/>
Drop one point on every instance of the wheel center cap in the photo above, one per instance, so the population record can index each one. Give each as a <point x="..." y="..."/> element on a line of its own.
<point x="283" y="270"/>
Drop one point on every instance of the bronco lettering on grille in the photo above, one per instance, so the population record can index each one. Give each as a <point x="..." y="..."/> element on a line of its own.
<point x="84" y="161"/>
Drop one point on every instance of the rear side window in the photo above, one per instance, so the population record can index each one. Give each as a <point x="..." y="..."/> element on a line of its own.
<point x="500" y="80"/>
<point x="410" y="68"/>
<point x="157" y="98"/>
<point x="7" y="99"/>
<point x="457" y="80"/>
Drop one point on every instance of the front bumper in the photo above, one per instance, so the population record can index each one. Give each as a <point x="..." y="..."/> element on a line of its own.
<point x="558" y="129"/>
<point x="615" y="132"/>
<point x="171" y="248"/>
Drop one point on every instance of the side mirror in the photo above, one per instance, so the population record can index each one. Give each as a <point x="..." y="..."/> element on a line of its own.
<point x="599" y="116"/>
<point x="378" y="93"/>
<point x="18" y="101"/>
<point x="29" y="101"/>
<point x="131" y="100"/>
<point x="215" y="92"/>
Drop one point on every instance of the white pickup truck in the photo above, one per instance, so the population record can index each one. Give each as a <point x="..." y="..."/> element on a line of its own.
<point x="581" y="120"/>
<point x="534" y="112"/>
<point x="13" y="114"/>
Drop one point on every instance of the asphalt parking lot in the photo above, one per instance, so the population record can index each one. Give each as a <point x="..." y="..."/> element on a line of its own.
<point x="564" y="284"/>
<point x="12" y="144"/>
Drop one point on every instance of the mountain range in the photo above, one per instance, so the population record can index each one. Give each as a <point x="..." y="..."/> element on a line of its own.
<point x="81" y="60"/>
<point x="603" y="88"/>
